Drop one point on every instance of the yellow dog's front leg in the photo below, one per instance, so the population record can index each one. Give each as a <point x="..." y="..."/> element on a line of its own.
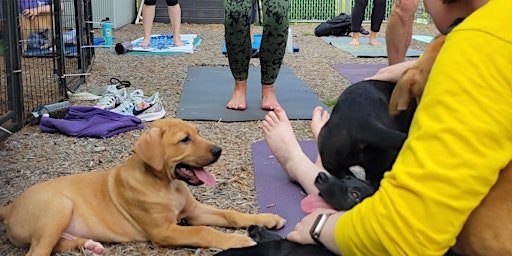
<point x="208" y="215"/>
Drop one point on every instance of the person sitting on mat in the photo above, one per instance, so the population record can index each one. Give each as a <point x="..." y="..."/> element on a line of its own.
<point x="458" y="131"/>
<point x="148" y="15"/>
<point x="239" y="50"/>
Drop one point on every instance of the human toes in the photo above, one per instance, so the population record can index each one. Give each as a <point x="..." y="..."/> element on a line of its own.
<point x="236" y="106"/>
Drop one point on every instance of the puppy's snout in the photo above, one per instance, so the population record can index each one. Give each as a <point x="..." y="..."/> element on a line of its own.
<point x="322" y="178"/>
<point x="216" y="151"/>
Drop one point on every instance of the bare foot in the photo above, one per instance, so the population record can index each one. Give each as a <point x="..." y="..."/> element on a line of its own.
<point x="355" y="39"/>
<point x="268" y="98"/>
<point x="354" y="42"/>
<point x="280" y="138"/>
<point x="373" y="39"/>
<point x="178" y="42"/>
<point x="319" y="117"/>
<point x="375" y="43"/>
<point x="145" y="43"/>
<point x="237" y="101"/>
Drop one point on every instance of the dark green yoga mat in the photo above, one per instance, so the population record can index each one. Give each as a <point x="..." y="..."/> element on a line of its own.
<point x="207" y="90"/>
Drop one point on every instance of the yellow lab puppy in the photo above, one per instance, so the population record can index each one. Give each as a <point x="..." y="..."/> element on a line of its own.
<point x="139" y="200"/>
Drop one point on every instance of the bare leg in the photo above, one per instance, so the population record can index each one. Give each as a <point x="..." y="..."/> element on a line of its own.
<point x="285" y="147"/>
<point x="148" y="15"/>
<point x="399" y="29"/>
<point x="355" y="39"/>
<point x="268" y="98"/>
<point x="237" y="101"/>
<point x="175" y="18"/>
<point x="373" y="39"/>
<point x="319" y="117"/>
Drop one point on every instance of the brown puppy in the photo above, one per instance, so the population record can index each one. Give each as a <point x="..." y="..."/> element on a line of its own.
<point x="489" y="228"/>
<point x="413" y="80"/>
<point x="138" y="200"/>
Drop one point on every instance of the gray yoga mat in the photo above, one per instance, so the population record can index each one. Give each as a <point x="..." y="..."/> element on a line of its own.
<point x="357" y="72"/>
<point x="364" y="49"/>
<point x="274" y="191"/>
<point x="208" y="89"/>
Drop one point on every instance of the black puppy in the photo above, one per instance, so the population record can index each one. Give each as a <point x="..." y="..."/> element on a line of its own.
<point x="342" y="194"/>
<point x="361" y="132"/>
<point x="271" y="244"/>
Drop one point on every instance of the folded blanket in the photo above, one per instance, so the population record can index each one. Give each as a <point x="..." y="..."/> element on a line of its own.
<point x="86" y="121"/>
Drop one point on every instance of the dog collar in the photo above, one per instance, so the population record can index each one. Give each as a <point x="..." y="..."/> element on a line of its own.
<point x="315" y="230"/>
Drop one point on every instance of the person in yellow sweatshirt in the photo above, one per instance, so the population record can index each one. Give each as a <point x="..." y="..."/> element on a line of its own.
<point x="460" y="138"/>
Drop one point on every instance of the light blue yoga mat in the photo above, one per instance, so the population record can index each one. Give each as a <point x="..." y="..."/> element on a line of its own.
<point x="425" y="39"/>
<point x="164" y="45"/>
<point x="364" y="49"/>
<point x="207" y="90"/>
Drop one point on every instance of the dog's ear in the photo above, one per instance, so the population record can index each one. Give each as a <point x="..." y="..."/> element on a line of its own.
<point x="149" y="148"/>
<point x="402" y="93"/>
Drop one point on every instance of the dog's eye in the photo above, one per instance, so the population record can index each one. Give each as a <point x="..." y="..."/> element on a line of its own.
<point x="186" y="139"/>
<point x="356" y="196"/>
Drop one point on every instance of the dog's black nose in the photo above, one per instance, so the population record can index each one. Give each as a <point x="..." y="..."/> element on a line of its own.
<point x="322" y="178"/>
<point x="216" y="151"/>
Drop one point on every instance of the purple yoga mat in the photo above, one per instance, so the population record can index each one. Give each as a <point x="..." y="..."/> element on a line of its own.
<point x="357" y="72"/>
<point x="274" y="191"/>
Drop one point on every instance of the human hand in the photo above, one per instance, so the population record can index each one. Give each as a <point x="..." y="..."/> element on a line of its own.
<point x="30" y="13"/>
<point x="301" y="233"/>
<point x="392" y="73"/>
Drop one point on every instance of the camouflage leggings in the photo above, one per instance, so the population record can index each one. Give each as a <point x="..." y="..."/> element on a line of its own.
<point x="273" y="42"/>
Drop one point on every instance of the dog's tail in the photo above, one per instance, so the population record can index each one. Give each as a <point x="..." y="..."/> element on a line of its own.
<point x="4" y="211"/>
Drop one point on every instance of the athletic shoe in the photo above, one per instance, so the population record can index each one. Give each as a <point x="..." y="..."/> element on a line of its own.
<point x="126" y="107"/>
<point x="149" y="109"/>
<point x="111" y="98"/>
<point x="364" y="32"/>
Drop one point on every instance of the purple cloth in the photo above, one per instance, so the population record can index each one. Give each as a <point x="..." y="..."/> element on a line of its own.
<point x="86" y="121"/>
<point x="274" y="191"/>
<point x="29" y="4"/>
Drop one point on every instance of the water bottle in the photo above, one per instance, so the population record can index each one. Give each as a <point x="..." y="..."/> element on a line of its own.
<point x="122" y="48"/>
<point x="106" y="27"/>
<point x="53" y="110"/>
<point x="289" y="42"/>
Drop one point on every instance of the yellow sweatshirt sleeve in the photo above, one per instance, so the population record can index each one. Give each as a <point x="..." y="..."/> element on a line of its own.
<point x="460" y="138"/>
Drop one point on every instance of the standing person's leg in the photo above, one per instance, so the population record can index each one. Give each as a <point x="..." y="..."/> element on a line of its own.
<point x="148" y="15"/>
<point x="238" y="46"/>
<point x="399" y="29"/>
<point x="272" y="48"/>
<point x="378" y="12"/>
<point x="174" y="11"/>
<point x="357" y="19"/>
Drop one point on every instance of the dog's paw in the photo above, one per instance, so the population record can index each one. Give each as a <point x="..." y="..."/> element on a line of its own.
<point x="94" y="247"/>
<point x="271" y="221"/>
<point x="238" y="241"/>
